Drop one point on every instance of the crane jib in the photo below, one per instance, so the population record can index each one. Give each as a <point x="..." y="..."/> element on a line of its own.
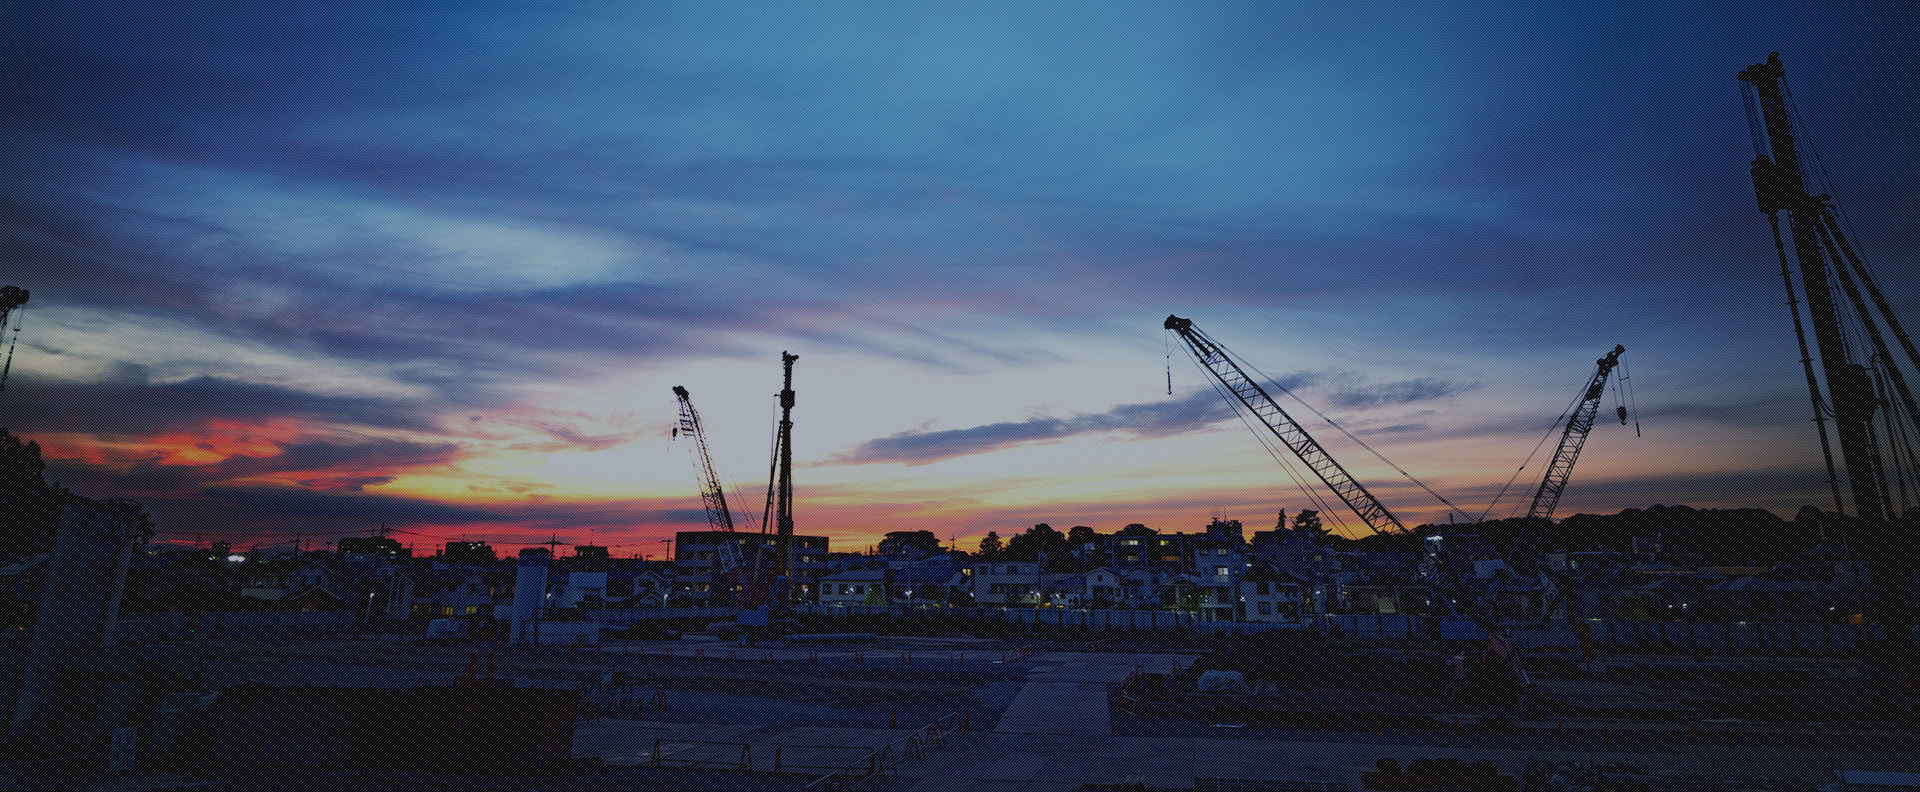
<point x="1290" y="433"/>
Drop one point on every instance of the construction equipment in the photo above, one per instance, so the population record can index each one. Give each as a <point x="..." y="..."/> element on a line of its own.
<point x="1257" y="401"/>
<point x="1449" y="591"/>
<point x="1574" y="437"/>
<point x="729" y="566"/>
<point x="1521" y="563"/>
<point x="1860" y="375"/>
<point x="775" y="610"/>
<point x="1457" y="607"/>
<point x="12" y="298"/>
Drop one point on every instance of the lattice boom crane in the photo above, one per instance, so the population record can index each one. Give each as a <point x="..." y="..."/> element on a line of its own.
<point x="1574" y="436"/>
<point x="1291" y="434"/>
<point x="711" y="493"/>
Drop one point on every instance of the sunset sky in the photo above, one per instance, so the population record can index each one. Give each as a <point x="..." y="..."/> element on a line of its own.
<point x="301" y="269"/>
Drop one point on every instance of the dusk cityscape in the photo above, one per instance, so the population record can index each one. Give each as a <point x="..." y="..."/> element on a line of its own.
<point x="749" y="396"/>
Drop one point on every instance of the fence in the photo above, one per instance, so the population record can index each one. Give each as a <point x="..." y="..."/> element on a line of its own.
<point x="880" y="764"/>
<point x="622" y="617"/>
<point x="1703" y="636"/>
<point x="1614" y="634"/>
<point x="245" y="624"/>
<point x="1034" y="618"/>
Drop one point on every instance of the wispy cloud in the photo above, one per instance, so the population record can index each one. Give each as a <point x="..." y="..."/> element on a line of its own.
<point x="1189" y="413"/>
<point x="1396" y="393"/>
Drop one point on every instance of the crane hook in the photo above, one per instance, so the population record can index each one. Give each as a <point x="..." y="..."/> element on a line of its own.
<point x="1622" y="412"/>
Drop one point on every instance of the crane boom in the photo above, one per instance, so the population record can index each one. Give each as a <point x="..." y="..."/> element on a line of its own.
<point x="1283" y="426"/>
<point x="1573" y="437"/>
<point x="712" y="495"/>
<point x="11" y="298"/>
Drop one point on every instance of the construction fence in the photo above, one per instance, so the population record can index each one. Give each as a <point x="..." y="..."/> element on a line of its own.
<point x="1031" y="618"/>
<point x="245" y="624"/>
<point x="1751" y="637"/>
<point x="622" y="617"/>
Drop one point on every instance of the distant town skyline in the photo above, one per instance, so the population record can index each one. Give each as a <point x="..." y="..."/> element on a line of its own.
<point x="303" y="271"/>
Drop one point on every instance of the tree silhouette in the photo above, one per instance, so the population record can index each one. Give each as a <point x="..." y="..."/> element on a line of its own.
<point x="991" y="546"/>
<point x="29" y="506"/>
<point x="1309" y="520"/>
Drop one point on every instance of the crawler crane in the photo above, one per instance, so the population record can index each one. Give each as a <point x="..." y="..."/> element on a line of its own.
<point x="1575" y="436"/>
<point x="1451" y="596"/>
<point x="729" y="567"/>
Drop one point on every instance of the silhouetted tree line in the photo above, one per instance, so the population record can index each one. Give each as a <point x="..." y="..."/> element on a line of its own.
<point x="29" y="506"/>
<point x="1720" y="536"/>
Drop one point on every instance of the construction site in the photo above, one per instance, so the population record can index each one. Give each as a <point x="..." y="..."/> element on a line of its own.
<point x="767" y="685"/>
<point x="1029" y="712"/>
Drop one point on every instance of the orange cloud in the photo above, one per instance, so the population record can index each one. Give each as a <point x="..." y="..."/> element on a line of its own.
<point x="222" y="438"/>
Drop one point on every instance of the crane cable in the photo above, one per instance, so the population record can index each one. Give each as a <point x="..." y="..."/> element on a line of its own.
<point x="1555" y="427"/>
<point x="1633" y="400"/>
<point x="1350" y="436"/>
<point x="1266" y="442"/>
<point x="1362" y="443"/>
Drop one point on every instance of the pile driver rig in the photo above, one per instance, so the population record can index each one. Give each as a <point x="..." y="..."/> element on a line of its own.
<point x="1865" y="395"/>
<point x="759" y="590"/>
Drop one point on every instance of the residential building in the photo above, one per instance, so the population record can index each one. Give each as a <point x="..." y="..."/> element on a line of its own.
<point x="1269" y="595"/>
<point x="856" y="586"/>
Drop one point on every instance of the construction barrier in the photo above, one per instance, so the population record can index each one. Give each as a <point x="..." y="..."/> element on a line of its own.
<point x="705" y="758"/>
<point x="782" y="764"/>
<point x="885" y="762"/>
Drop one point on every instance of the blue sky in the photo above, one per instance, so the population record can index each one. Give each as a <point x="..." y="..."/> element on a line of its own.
<point x="308" y="268"/>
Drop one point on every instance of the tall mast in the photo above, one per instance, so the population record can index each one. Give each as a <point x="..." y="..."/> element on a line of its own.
<point x="1780" y="185"/>
<point x="783" y="539"/>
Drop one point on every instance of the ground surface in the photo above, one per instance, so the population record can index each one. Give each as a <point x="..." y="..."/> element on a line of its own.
<point x="1040" y="719"/>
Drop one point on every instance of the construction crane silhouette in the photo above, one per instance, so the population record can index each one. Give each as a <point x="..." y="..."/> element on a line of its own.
<point x="1214" y="358"/>
<point x="1454" y="602"/>
<point x="12" y="300"/>
<point x="1860" y="375"/>
<point x="729" y="566"/>
<point x="1575" y="436"/>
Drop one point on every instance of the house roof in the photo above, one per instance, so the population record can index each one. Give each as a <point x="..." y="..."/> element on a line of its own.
<point x="1671" y="584"/>
<point x="312" y="592"/>
<point x="24" y="564"/>
<point x="1825" y="549"/>
<point x="1752" y="584"/>
<point x="1268" y="572"/>
<point x="281" y="566"/>
<point x="929" y="572"/>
